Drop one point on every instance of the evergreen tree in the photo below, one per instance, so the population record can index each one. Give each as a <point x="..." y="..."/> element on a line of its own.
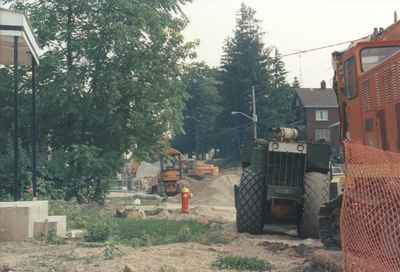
<point x="246" y="63"/>
<point x="296" y="83"/>
<point x="279" y="70"/>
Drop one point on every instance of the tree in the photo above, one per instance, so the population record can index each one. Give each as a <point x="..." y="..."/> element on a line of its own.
<point x="110" y="81"/>
<point x="296" y="83"/>
<point x="247" y="63"/>
<point x="201" y="111"/>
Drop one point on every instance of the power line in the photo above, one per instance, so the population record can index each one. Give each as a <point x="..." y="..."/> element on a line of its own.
<point x="316" y="49"/>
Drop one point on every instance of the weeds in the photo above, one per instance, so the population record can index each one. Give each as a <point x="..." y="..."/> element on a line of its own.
<point x="156" y="232"/>
<point x="102" y="227"/>
<point x="111" y="251"/>
<point x="98" y="232"/>
<point x="242" y="264"/>
<point x="167" y="268"/>
<point x="54" y="239"/>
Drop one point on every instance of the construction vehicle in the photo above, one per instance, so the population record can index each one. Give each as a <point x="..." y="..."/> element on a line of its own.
<point x="200" y="169"/>
<point x="170" y="172"/>
<point x="367" y="83"/>
<point x="284" y="181"/>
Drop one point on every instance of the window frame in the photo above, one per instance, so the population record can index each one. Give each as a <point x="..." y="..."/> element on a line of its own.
<point x="375" y="47"/>
<point x="317" y="115"/>
<point x="347" y="93"/>
<point x="328" y="134"/>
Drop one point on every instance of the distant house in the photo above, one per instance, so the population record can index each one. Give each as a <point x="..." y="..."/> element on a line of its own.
<point x="317" y="110"/>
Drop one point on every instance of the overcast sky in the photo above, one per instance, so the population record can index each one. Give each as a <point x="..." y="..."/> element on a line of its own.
<point x="291" y="25"/>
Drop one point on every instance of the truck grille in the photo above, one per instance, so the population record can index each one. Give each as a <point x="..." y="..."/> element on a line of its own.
<point x="285" y="169"/>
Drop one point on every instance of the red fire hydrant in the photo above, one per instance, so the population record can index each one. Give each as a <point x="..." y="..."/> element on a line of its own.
<point x="185" y="196"/>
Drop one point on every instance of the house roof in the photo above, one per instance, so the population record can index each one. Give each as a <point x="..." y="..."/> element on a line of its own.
<point x="317" y="98"/>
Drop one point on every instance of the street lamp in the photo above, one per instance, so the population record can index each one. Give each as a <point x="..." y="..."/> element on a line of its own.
<point x="253" y="118"/>
<point x="19" y="47"/>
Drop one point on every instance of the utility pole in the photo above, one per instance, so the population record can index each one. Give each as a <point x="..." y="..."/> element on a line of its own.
<point x="17" y="185"/>
<point x="276" y="68"/>
<point x="255" y="117"/>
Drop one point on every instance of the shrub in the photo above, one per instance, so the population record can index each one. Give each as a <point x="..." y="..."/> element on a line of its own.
<point x="98" y="232"/>
<point x="156" y="232"/>
<point x="241" y="264"/>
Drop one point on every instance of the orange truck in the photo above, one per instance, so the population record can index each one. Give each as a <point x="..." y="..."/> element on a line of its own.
<point x="367" y="82"/>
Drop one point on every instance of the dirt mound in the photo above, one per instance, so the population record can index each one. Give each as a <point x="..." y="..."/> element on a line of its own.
<point x="215" y="192"/>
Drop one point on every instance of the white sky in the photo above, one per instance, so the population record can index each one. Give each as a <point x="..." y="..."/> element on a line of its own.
<point x="291" y="25"/>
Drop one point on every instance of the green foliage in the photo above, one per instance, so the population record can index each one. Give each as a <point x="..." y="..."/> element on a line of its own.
<point x="79" y="216"/>
<point x="296" y="83"/>
<point x="241" y="264"/>
<point x="98" y="231"/>
<point x="112" y="251"/>
<point x="110" y="82"/>
<point x="7" y="170"/>
<point x="102" y="227"/>
<point x="201" y="110"/>
<point x="247" y="62"/>
<point x="53" y="239"/>
<point x="156" y="232"/>
<point x="82" y="172"/>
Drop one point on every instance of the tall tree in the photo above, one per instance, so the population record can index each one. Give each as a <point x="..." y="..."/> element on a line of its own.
<point x="296" y="83"/>
<point x="110" y="81"/>
<point x="248" y="63"/>
<point x="201" y="111"/>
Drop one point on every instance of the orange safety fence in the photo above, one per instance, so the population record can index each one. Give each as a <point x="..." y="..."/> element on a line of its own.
<point x="370" y="219"/>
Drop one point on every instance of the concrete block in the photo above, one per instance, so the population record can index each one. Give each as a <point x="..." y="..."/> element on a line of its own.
<point x="17" y="219"/>
<point x="56" y="224"/>
<point x="60" y="223"/>
<point x="14" y="223"/>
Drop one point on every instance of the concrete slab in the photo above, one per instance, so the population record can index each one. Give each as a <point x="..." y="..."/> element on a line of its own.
<point x="60" y="224"/>
<point x="17" y="219"/>
<point x="14" y="223"/>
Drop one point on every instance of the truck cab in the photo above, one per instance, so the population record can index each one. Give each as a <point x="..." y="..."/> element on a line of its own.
<point x="367" y="83"/>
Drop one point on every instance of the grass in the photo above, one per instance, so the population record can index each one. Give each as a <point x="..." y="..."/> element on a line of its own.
<point x="79" y="216"/>
<point x="102" y="227"/>
<point x="242" y="264"/>
<point x="159" y="232"/>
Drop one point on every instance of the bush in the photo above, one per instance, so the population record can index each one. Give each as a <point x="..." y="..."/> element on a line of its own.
<point x="7" y="170"/>
<point x="241" y="264"/>
<point x="79" y="216"/>
<point x="98" y="232"/>
<point x="81" y="172"/>
<point x="156" y="232"/>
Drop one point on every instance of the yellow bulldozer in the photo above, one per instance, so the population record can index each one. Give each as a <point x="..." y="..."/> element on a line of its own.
<point x="171" y="172"/>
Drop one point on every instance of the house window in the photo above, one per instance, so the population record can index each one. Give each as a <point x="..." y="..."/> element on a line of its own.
<point x="321" y="115"/>
<point x="322" y="135"/>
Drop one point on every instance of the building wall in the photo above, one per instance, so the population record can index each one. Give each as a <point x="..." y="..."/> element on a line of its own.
<point x="312" y="124"/>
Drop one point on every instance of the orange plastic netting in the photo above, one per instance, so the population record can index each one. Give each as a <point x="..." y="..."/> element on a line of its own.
<point x="370" y="219"/>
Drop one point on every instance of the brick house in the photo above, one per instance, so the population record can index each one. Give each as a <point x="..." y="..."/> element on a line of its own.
<point x="317" y="110"/>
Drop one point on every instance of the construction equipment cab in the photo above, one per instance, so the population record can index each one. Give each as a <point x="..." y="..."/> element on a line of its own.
<point x="367" y="82"/>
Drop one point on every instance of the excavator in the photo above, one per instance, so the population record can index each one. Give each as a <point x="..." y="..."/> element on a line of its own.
<point x="367" y="84"/>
